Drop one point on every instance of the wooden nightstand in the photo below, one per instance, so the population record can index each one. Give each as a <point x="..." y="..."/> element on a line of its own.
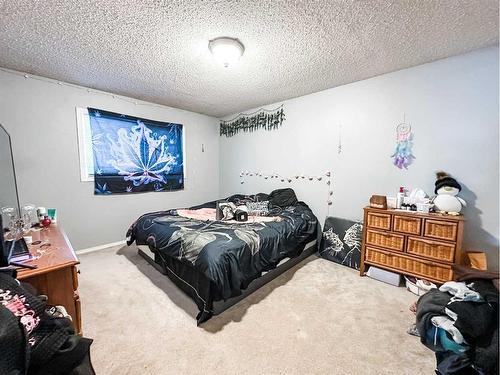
<point x="57" y="274"/>
<point x="411" y="243"/>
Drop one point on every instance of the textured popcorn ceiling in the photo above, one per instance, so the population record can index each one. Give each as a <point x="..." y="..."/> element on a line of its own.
<point x="156" y="50"/>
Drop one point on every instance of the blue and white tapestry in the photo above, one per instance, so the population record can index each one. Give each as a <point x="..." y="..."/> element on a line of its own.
<point x="133" y="154"/>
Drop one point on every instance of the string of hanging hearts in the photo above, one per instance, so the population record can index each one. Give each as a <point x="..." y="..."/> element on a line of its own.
<point x="325" y="178"/>
<point x="267" y="119"/>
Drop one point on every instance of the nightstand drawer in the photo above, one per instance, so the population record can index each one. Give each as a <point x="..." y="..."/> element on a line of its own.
<point x="380" y="221"/>
<point x="400" y="263"/>
<point x="443" y="230"/>
<point x="387" y="240"/>
<point x="406" y="224"/>
<point x="431" y="249"/>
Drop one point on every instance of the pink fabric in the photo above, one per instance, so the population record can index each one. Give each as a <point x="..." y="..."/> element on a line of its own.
<point x="205" y="214"/>
<point x="202" y="214"/>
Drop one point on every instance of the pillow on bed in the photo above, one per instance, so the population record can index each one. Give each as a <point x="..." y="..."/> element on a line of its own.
<point x="258" y="208"/>
<point x="261" y="197"/>
<point x="225" y="211"/>
<point x="240" y="199"/>
<point x="283" y="198"/>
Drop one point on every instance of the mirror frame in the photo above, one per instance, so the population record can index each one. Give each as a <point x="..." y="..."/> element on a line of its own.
<point x="18" y="207"/>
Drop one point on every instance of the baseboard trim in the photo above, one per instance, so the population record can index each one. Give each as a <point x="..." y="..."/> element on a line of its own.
<point x="100" y="247"/>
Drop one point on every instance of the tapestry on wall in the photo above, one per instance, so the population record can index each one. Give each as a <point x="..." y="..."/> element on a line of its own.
<point x="249" y="122"/>
<point x="341" y="241"/>
<point x="133" y="154"/>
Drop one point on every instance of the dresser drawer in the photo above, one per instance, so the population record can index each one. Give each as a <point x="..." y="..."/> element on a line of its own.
<point x="431" y="249"/>
<point x="413" y="266"/>
<point x="443" y="230"/>
<point x="382" y="239"/>
<point x="378" y="220"/>
<point x="406" y="224"/>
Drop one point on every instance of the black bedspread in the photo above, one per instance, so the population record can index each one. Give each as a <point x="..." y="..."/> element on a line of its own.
<point x="215" y="260"/>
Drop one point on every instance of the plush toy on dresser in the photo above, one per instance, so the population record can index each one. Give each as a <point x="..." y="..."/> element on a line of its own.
<point x="446" y="199"/>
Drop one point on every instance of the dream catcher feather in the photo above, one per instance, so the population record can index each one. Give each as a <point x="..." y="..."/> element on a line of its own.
<point x="402" y="156"/>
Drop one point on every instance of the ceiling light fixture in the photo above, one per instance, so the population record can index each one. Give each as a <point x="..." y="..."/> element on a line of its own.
<point x="226" y="50"/>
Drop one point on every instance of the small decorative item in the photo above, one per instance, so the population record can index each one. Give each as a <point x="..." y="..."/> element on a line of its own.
<point x="446" y="200"/>
<point x="378" y="201"/>
<point x="241" y="214"/>
<point x="46" y="222"/>
<point x="391" y="202"/>
<point x="13" y="222"/>
<point x="423" y="207"/>
<point x="225" y="210"/>
<point x="29" y="216"/>
<point x="402" y="155"/>
<point x="249" y="122"/>
<point x="52" y="214"/>
<point x="41" y="212"/>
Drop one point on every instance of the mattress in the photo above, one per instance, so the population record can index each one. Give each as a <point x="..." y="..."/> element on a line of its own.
<point x="147" y="252"/>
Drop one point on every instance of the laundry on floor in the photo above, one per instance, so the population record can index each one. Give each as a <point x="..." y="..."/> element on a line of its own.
<point x="459" y="322"/>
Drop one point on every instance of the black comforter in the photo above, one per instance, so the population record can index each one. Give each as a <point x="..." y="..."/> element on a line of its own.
<point x="215" y="260"/>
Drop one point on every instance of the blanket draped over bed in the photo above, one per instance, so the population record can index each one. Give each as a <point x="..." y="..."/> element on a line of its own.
<point x="214" y="260"/>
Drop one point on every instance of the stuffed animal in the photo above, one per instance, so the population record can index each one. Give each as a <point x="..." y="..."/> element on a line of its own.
<point x="446" y="199"/>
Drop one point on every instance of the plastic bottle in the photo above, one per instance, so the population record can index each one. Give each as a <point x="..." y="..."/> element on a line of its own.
<point x="400" y="197"/>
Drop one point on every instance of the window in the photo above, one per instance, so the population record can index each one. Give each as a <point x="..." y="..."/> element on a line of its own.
<point x="126" y="154"/>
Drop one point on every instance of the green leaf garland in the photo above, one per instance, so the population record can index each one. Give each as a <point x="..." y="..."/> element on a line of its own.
<point x="261" y="119"/>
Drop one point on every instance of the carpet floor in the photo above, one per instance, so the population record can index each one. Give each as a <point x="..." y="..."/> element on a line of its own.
<point x="316" y="318"/>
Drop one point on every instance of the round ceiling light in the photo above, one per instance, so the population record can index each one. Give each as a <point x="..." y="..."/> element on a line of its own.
<point x="226" y="50"/>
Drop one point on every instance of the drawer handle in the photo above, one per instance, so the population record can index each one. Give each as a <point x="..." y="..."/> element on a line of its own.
<point x="429" y="263"/>
<point x="389" y="254"/>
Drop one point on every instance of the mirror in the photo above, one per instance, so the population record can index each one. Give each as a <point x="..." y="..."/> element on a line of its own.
<point x="8" y="186"/>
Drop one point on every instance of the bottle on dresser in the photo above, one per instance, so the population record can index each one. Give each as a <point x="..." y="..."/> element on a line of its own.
<point x="400" y="197"/>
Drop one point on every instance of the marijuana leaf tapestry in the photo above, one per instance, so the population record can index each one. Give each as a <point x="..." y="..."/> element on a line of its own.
<point x="133" y="154"/>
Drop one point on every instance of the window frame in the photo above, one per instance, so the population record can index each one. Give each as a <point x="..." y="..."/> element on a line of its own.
<point x="83" y="129"/>
<point x="84" y="135"/>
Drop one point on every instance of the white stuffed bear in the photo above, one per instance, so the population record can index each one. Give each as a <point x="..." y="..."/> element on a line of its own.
<point x="446" y="199"/>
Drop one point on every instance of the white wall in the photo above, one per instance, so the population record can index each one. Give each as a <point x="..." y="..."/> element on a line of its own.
<point x="452" y="105"/>
<point x="41" y="120"/>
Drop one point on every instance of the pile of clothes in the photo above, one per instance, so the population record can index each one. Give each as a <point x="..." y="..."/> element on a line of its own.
<point x="459" y="322"/>
<point x="36" y="339"/>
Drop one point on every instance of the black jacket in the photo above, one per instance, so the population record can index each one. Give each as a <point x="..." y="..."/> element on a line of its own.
<point x="33" y="342"/>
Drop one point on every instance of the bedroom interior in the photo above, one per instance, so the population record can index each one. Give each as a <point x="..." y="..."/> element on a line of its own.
<point x="249" y="187"/>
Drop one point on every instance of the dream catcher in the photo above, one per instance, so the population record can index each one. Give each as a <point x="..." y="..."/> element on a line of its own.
<point x="402" y="156"/>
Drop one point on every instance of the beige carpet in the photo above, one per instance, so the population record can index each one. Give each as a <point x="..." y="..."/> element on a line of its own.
<point x="317" y="318"/>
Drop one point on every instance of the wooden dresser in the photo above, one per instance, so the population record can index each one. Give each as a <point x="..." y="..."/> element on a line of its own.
<point x="410" y="243"/>
<point x="57" y="273"/>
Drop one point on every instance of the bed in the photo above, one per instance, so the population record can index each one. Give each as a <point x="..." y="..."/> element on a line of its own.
<point x="217" y="263"/>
